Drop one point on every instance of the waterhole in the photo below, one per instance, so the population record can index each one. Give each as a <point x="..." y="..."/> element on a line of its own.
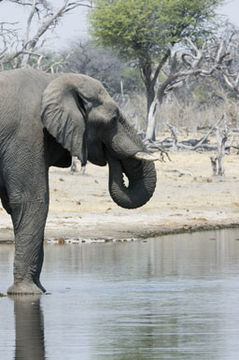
<point x="174" y="297"/>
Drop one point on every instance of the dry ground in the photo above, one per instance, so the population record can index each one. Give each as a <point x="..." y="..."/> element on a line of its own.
<point x="187" y="197"/>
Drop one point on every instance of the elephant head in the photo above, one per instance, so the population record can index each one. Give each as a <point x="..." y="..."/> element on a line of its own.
<point x="85" y="120"/>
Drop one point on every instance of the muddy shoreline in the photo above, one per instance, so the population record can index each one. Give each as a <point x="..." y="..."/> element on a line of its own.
<point x="69" y="237"/>
<point x="187" y="199"/>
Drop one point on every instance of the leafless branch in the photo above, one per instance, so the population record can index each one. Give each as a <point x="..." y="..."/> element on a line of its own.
<point x="47" y="19"/>
<point x="193" y="61"/>
<point x="215" y="126"/>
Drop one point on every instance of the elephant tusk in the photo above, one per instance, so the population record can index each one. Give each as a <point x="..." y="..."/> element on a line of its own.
<point x="145" y="156"/>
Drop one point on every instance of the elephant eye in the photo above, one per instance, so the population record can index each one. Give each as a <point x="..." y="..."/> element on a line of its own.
<point x="113" y="121"/>
<point x="115" y="116"/>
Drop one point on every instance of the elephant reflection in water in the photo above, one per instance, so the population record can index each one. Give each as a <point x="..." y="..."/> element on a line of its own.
<point x="29" y="326"/>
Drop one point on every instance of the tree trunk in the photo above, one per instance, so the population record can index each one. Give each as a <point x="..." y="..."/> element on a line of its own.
<point x="214" y="165"/>
<point x="221" y="136"/>
<point x="151" y="114"/>
<point x="150" y="92"/>
<point x="150" y="79"/>
<point x="149" y="83"/>
<point x="173" y="131"/>
<point x="151" y="121"/>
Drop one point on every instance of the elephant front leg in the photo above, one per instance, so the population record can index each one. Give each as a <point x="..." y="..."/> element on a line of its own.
<point x="29" y="220"/>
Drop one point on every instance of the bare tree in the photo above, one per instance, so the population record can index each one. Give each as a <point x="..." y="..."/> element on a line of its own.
<point x="8" y="37"/>
<point x="182" y="64"/>
<point x="42" y="13"/>
<point x="230" y="68"/>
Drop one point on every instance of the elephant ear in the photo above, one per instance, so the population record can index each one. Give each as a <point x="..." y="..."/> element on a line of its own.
<point x="64" y="114"/>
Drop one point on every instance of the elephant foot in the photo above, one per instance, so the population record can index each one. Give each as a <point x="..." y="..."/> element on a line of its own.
<point x="25" y="288"/>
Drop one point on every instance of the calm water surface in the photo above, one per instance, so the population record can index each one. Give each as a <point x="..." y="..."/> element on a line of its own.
<point x="175" y="297"/>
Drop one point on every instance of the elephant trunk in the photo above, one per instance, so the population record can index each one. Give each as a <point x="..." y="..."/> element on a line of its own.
<point x="141" y="181"/>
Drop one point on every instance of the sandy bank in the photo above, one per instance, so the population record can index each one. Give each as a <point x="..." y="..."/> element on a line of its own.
<point x="187" y="197"/>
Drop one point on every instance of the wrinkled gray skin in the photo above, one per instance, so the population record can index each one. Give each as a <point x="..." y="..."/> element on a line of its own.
<point x="44" y="120"/>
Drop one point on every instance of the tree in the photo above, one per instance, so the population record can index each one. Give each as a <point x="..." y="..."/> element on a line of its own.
<point x="142" y="31"/>
<point x="8" y="39"/>
<point x="189" y="61"/>
<point x="103" y="64"/>
<point x="19" y="52"/>
<point x="230" y="68"/>
<point x="145" y="32"/>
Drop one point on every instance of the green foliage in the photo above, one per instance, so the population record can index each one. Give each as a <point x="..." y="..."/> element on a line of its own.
<point x="139" y="28"/>
<point x="132" y="80"/>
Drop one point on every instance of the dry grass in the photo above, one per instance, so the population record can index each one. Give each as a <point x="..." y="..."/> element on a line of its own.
<point x="186" y="118"/>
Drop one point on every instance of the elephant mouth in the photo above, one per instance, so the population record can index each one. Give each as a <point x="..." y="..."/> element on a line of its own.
<point x="141" y="175"/>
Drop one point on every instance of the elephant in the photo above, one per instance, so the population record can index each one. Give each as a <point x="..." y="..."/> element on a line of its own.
<point x="45" y="119"/>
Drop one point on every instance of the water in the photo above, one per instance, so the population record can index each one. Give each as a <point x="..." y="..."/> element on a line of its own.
<point x="175" y="297"/>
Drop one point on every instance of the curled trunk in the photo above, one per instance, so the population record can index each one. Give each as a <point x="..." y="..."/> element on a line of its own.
<point x="141" y="182"/>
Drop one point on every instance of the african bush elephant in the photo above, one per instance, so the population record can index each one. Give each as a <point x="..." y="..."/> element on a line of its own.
<point x="44" y="120"/>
